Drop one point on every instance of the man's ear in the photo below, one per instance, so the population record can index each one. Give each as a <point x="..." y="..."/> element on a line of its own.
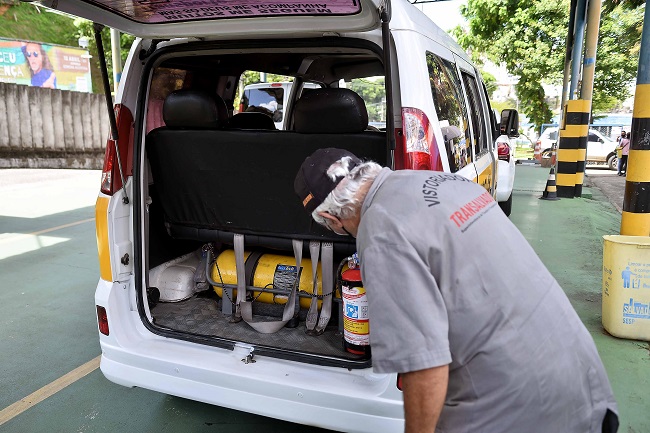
<point x="333" y="221"/>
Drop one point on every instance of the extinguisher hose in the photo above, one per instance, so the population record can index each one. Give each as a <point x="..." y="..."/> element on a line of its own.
<point x="339" y="275"/>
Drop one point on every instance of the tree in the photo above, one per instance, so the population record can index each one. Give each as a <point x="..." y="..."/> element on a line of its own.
<point x="85" y="28"/>
<point x="529" y="38"/>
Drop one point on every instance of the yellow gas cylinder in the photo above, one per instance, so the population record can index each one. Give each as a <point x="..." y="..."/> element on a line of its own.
<point x="272" y="271"/>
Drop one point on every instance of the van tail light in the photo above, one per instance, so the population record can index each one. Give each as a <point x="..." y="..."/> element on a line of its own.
<point x="102" y="320"/>
<point x="111" y="180"/>
<point x="399" y="381"/>
<point x="503" y="150"/>
<point x="241" y="107"/>
<point x="416" y="144"/>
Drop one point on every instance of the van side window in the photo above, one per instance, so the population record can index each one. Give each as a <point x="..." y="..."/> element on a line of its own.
<point x="447" y="96"/>
<point x="477" y="113"/>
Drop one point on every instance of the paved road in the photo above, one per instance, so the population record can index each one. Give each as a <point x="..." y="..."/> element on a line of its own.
<point x="608" y="182"/>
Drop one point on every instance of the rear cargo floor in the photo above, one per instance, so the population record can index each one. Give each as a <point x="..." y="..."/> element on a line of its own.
<point x="201" y="315"/>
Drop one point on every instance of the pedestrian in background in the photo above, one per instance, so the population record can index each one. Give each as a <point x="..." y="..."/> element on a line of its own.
<point x="623" y="151"/>
<point x="480" y="347"/>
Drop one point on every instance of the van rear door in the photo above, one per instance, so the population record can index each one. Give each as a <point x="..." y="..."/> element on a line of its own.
<point x="158" y="19"/>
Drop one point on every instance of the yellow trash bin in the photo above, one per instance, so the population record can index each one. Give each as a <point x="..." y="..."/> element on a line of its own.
<point x="626" y="286"/>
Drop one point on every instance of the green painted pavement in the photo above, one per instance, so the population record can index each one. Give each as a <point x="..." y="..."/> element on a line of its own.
<point x="567" y="235"/>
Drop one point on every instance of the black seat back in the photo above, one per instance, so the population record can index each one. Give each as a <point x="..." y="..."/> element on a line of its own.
<point x="213" y="183"/>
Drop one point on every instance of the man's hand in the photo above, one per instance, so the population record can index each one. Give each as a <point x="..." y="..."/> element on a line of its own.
<point x="424" y="395"/>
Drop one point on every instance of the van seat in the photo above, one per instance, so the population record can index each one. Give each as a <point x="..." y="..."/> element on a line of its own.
<point x="213" y="183"/>
<point x="193" y="109"/>
<point x="330" y="111"/>
<point x="251" y="120"/>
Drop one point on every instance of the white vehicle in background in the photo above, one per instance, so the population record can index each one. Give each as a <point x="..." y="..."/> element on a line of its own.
<point x="600" y="148"/>
<point x="270" y="99"/>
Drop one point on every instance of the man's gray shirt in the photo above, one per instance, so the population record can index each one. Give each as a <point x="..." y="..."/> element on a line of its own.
<point x="450" y="280"/>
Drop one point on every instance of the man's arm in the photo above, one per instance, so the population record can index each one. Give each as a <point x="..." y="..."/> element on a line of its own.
<point x="424" y="395"/>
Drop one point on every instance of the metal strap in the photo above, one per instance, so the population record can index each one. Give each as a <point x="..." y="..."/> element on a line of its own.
<point x="289" y="307"/>
<point x="327" y="272"/>
<point x="312" y="314"/>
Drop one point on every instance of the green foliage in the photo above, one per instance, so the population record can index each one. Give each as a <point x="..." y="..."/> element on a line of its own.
<point x="529" y="38"/>
<point x="490" y="82"/>
<point x="373" y="93"/>
<point x="25" y="21"/>
<point x="85" y="28"/>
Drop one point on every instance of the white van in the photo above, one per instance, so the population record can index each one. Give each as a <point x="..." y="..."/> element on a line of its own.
<point x="197" y="219"/>
<point x="270" y="99"/>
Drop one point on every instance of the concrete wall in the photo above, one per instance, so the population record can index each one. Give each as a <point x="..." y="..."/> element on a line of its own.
<point x="45" y="128"/>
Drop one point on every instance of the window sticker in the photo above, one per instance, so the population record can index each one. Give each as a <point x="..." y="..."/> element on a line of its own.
<point x="159" y="11"/>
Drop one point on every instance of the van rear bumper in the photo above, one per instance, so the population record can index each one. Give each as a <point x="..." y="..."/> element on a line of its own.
<point x="328" y="397"/>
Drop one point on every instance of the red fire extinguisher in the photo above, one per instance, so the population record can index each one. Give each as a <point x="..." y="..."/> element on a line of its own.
<point x="356" y="327"/>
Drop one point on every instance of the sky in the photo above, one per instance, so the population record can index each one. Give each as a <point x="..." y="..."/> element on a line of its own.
<point x="446" y="14"/>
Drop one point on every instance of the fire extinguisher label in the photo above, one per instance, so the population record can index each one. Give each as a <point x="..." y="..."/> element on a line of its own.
<point x="356" y="329"/>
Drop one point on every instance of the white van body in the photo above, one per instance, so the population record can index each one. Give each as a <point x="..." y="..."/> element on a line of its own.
<point x="136" y="233"/>
<point x="265" y="96"/>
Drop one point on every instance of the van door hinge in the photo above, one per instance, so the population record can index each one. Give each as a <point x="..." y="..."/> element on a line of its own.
<point x="125" y="259"/>
<point x="249" y="358"/>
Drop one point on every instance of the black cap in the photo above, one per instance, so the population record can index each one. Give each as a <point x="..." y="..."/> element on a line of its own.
<point x="312" y="183"/>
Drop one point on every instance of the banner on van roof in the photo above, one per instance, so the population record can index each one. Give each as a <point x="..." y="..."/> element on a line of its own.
<point x="43" y="65"/>
<point x="157" y="11"/>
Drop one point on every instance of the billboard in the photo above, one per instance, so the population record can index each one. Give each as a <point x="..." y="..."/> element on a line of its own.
<point x="44" y="65"/>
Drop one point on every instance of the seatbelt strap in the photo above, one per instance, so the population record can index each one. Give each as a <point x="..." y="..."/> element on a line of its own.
<point x="240" y="269"/>
<point x="312" y="314"/>
<point x="289" y="307"/>
<point x="327" y="272"/>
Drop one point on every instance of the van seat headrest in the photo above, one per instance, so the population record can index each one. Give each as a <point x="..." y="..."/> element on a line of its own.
<point x="251" y="120"/>
<point x="194" y="109"/>
<point x="330" y="111"/>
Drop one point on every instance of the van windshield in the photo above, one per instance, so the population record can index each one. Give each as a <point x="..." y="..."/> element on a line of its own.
<point x="192" y="10"/>
<point x="267" y="100"/>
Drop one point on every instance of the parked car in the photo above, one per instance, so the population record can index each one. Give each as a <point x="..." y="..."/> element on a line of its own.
<point x="198" y="221"/>
<point x="600" y="148"/>
<point x="270" y="99"/>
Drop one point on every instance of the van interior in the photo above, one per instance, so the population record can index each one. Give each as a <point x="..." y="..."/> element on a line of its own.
<point x="214" y="175"/>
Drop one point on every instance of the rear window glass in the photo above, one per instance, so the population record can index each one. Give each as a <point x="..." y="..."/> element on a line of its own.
<point x="158" y="11"/>
<point x="267" y="100"/>
<point x="373" y="92"/>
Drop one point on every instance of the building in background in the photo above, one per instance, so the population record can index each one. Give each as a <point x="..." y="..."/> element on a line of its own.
<point x="45" y="65"/>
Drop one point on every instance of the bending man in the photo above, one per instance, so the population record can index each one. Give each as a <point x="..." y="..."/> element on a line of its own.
<point x="460" y="305"/>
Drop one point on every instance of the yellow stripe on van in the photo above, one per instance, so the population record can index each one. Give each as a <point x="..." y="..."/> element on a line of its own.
<point x="485" y="178"/>
<point x="103" y="247"/>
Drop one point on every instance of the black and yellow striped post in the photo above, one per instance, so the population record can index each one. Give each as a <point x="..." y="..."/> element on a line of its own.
<point x="572" y="151"/>
<point x="635" y="220"/>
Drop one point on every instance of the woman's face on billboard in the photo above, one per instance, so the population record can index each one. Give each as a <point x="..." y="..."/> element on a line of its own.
<point x="35" y="57"/>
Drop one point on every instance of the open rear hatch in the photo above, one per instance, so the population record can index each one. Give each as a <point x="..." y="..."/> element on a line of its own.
<point x="223" y="215"/>
<point x="162" y="19"/>
<point x="223" y="202"/>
